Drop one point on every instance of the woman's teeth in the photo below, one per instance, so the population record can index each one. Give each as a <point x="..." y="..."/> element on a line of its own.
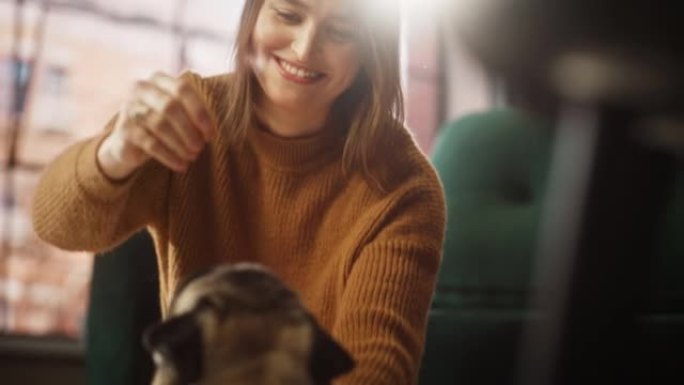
<point x="299" y="72"/>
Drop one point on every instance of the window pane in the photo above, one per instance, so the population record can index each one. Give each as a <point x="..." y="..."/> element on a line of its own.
<point x="89" y="60"/>
<point x="43" y="289"/>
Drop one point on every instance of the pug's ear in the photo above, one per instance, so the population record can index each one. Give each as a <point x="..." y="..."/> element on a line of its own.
<point x="328" y="359"/>
<point x="179" y="342"/>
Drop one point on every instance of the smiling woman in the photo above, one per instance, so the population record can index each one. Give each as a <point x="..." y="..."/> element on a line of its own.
<point x="306" y="56"/>
<point x="298" y="160"/>
<point x="362" y="70"/>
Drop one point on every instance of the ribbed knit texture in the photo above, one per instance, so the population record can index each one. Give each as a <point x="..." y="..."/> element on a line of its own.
<point x="362" y="260"/>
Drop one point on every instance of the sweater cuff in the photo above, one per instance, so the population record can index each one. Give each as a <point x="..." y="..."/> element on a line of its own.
<point x="93" y="181"/>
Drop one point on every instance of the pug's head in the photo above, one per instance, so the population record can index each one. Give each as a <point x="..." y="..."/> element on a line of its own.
<point x="239" y="324"/>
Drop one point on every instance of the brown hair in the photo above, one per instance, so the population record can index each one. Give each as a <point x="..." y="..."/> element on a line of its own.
<point x="373" y="104"/>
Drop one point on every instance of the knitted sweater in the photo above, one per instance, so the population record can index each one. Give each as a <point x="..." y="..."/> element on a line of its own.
<point x="363" y="261"/>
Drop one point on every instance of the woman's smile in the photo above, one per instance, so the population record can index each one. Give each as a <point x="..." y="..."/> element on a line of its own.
<point x="304" y="56"/>
<point x="296" y="73"/>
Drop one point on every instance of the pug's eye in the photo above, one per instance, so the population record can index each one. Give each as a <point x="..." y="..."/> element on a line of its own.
<point x="207" y="303"/>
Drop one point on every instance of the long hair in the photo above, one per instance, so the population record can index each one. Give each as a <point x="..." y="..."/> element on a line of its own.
<point x="372" y="105"/>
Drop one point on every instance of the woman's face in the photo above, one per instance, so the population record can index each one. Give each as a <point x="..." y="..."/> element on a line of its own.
<point x="305" y="52"/>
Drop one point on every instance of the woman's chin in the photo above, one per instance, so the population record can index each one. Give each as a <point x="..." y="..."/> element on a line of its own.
<point x="296" y="104"/>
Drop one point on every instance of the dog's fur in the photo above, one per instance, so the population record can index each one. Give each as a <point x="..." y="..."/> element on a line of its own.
<point x="240" y="325"/>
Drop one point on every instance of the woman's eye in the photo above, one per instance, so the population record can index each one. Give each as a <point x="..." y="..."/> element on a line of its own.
<point x="288" y="17"/>
<point x="342" y="35"/>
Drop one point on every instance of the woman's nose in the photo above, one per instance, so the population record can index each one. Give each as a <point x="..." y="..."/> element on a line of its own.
<point x="305" y="42"/>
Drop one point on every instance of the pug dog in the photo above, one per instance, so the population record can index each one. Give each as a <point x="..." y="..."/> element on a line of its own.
<point x="240" y="325"/>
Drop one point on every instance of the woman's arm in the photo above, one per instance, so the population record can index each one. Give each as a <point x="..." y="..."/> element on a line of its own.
<point x="78" y="207"/>
<point x="383" y="313"/>
<point x="101" y="190"/>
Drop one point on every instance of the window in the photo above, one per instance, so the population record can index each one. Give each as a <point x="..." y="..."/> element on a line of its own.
<point x="51" y="112"/>
<point x="9" y="68"/>
<point x="88" y="61"/>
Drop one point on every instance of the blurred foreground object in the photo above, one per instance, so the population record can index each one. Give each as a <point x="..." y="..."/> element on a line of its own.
<point x="613" y="69"/>
<point x="240" y="325"/>
<point x="617" y="52"/>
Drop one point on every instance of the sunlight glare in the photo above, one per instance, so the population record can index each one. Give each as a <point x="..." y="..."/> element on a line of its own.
<point x="378" y="8"/>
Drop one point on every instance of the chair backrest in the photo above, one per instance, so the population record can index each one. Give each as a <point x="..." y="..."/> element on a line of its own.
<point x="493" y="167"/>
<point x="124" y="300"/>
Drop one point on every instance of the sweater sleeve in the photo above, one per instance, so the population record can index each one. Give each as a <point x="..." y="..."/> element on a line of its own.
<point x="77" y="207"/>
<point x="383" y="314"/>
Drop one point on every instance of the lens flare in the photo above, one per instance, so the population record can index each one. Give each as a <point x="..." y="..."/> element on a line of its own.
<point x="378" y="8"/>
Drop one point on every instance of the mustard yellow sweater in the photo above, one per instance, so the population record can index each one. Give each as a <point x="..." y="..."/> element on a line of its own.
<point x="363" y="261"/>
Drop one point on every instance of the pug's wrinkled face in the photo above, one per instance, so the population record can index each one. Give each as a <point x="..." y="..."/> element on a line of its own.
<point x="239" y="324"/>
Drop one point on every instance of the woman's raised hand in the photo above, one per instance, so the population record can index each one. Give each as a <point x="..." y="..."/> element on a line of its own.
<point x="164" y="119"/>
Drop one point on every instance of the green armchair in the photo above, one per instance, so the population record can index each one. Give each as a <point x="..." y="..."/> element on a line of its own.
<point x="494" y="168"/>
<point x="124" y="300"/>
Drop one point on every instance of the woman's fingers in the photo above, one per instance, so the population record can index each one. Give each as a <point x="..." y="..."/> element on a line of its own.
<point x="156" y="148"/>
<point x="169" y="117"/>
<point x="183" y="91"/>
<point x="167" y="120"/>
<point x="172" y="136"/>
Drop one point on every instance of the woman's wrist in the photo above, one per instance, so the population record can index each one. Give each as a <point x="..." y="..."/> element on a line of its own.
<point x="111" y="165"/>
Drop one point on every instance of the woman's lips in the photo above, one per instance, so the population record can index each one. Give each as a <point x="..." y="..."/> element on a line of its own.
<point x="296" y="73"/>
